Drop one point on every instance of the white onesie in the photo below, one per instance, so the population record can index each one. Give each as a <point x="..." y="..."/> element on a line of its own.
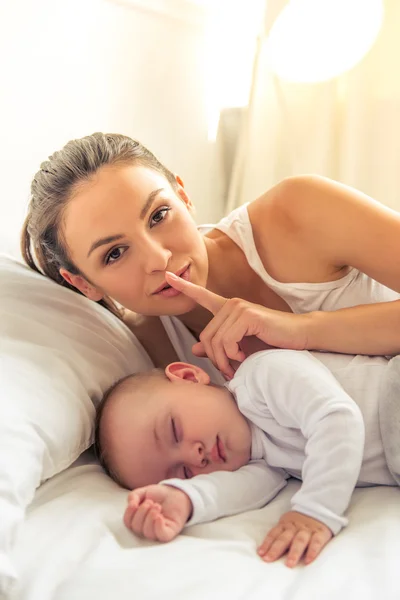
<point x="305" y="425"/>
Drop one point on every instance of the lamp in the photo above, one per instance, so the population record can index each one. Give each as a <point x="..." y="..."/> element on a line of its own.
<point x="316" y="40"/>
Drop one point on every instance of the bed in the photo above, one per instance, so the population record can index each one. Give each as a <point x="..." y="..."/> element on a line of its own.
<point x="74" y="546"/>
<point x="61" y="530"/>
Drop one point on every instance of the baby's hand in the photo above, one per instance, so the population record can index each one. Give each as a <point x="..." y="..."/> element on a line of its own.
<point x="157" y="512"/>
<point x="296" y="533"/>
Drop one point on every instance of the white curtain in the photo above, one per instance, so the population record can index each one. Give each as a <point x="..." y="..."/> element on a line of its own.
<point x="347" y="128"/>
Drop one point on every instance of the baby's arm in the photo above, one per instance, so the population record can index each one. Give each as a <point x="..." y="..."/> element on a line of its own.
<point x="160" y="512"/>
<point x="225" y="493"/>
<point x="301" y="393"/>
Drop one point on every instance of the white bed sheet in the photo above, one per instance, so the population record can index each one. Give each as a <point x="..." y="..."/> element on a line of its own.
<point x="74" y="546"/>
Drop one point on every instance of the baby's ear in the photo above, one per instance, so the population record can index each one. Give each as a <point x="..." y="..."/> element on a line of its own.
<point x="180" y="371"/>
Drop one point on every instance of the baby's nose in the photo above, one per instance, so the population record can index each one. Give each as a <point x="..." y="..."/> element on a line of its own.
<point x="198" y="456"/>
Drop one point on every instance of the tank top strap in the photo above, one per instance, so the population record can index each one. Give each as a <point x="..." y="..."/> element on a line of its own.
<point x="238" y="227"/>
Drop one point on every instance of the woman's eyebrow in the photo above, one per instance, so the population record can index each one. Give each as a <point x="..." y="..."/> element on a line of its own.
<point x="149" y="202"/>
<point x="118" y="236"/>
<point x="104" y="241"/>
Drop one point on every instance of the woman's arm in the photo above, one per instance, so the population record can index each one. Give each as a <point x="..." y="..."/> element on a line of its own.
<point x="319" y="227"/>
<point x="333" y="226"/>
<point x="368" y="329"/>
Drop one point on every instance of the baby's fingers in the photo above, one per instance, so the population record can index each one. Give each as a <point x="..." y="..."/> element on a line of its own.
<point x="139" y="517"/>
<point x="317" y="543"/>
<point x="128" y="516"/>
<point x="133" y="505"/>
<point x="275" y="544"/>
<point x="267" y="543"/>
<point x="279" y="546"/>
<point x="137" y="497"/>
<point x="150" y="519"/>
<point x="133" y="499"/>
<point x="163" y="530"/>
<point x="298" y="547"/>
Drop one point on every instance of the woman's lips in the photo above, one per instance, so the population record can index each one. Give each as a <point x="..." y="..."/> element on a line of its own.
<point x="170" y="292"/>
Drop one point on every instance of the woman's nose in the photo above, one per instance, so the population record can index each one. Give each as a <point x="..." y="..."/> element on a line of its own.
<point x="155" y="257"/>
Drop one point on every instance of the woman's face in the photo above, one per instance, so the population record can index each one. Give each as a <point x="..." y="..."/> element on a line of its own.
<point x="125" y="228"/>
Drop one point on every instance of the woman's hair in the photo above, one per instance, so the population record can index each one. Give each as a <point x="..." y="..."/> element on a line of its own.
<point x="42" y="244"/>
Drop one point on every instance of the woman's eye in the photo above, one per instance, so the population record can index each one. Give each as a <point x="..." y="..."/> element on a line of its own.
<point x="114" y="255"/>
<point x="159" y="216"/>
<point x="174" y="432"/>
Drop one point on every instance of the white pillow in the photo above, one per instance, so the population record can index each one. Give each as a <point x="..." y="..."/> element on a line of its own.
<point x="59" y="352"/>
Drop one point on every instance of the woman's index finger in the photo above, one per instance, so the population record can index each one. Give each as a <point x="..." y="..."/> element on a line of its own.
<point x="201" y="295"/>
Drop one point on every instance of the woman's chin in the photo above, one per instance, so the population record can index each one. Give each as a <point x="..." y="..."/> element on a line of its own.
<point x="182" y="306"/>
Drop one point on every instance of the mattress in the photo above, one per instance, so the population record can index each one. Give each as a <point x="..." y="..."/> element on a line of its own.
<point x="74" y="546"/>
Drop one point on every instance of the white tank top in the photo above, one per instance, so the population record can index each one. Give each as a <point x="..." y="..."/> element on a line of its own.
<point x="352" y="289"/>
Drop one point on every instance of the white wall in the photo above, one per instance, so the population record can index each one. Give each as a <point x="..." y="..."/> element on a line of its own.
<point x="72" y="67"/>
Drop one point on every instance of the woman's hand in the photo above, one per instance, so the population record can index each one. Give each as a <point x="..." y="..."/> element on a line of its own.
<point x="240" y="328"/>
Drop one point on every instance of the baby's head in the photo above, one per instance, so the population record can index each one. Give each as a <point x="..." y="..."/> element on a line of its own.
<point x="157" y="425"/>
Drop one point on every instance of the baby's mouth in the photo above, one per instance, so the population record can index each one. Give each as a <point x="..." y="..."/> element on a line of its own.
<point x="221" y="449"/>
<point x="218" y="451"/>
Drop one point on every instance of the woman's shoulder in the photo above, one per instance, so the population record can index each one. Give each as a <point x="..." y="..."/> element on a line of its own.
<point x="293" y="199"/>
<point x="282" y="236"/>
<point x="327" y="225"/>
<point x="288" y="199"/>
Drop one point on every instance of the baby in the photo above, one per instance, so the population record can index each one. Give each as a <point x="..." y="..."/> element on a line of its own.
<point x="194" y="452"/>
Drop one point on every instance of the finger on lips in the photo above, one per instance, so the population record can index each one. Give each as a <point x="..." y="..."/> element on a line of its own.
<point x="209" y="300"/>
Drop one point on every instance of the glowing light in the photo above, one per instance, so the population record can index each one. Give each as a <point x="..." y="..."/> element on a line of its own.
<point x="315" y="40"/>
<point x="231" y="33"/>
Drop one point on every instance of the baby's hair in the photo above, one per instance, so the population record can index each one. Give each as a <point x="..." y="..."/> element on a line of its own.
<point x="43" y="246"/>
<point x="135" y="381"/>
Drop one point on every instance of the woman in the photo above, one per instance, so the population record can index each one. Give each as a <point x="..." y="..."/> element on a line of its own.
<point x="316" y="263"/>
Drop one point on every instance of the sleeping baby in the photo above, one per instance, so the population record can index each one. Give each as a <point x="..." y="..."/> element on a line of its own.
<point x="192" y="451"/>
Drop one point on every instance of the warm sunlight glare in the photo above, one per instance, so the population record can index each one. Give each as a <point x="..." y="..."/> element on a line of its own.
<point x="315" y="40"/>
<point x="232" y="29"/>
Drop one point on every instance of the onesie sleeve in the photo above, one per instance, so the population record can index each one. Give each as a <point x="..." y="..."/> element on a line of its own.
<point x="225" y="493"/>
<point x="302" y="393"/>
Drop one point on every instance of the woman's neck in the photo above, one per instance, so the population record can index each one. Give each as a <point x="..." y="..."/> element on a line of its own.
<point x="196" y="320"/>
<point x="231" y="276"/>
